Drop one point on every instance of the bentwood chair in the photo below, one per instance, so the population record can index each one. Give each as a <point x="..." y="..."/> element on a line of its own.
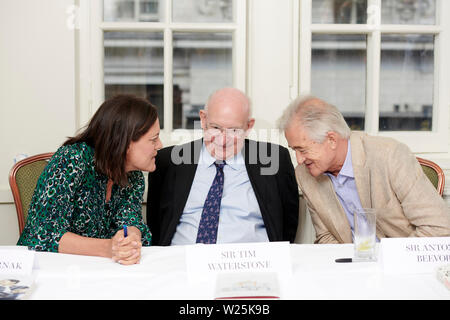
<point x="22" y="180"/>
<point x="434" y="173"/>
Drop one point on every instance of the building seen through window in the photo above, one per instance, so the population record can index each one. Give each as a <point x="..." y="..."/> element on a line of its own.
<point x="406" y="80"/>
<point x="201" y="61"/>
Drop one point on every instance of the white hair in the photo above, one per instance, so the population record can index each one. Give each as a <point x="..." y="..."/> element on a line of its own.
<point x="316" y="116"/>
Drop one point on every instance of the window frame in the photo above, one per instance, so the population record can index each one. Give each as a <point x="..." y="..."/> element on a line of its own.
<point x="435" y="141"/>
<point x="91" y="56"/>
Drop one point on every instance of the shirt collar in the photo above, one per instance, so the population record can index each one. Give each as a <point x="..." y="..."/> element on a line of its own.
<point x="208" y="160"/>
<point x="347" y="167"/>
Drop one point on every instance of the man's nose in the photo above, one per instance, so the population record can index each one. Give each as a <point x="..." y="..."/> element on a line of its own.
<point x="300" y="157"/>
<point x="225" y="138"/>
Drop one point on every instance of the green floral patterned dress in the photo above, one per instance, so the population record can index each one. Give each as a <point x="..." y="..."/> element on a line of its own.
<point x="70" y="196"/>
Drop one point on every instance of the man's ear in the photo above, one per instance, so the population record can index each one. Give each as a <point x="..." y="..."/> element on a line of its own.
<point x="332" y="138"/>
<point x="250" y="124"/>
<point x="202" y="115"/>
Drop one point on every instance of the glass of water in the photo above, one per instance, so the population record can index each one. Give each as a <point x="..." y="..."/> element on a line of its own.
<point x="364" y="234"/>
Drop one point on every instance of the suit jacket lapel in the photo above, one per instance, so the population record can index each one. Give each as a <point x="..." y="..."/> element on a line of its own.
<point x="337" y="218"/>
<point x="257" y="185"/>
<point x="253" y="166"/>
<point x="363" y="178"/>
<point x="184" y="175"/>
<point x="361" y="171"/>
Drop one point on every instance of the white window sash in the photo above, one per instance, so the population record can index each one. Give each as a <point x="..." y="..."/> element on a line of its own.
<point x="91" y="54"/>
<point x="435" y="141"/>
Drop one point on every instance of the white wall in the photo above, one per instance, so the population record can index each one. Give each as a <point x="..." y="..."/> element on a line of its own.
<point x="37" y="88"/>
<point x="269" y="60"/>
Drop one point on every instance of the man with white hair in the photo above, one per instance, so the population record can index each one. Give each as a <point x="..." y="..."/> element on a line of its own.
<point x="223" y="188"/>
<point x="339" y="171"/>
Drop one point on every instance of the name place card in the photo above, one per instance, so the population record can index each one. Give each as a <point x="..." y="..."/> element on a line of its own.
<point x="16" y="261"/>
<point x="414" y="255"/>
<point x="204" y="262"/>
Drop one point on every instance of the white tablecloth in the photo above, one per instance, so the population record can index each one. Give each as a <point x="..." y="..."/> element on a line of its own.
<point x="162" y="274"/>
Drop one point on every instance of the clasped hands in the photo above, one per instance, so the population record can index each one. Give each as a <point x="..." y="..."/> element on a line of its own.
<point x="126" y="250"/>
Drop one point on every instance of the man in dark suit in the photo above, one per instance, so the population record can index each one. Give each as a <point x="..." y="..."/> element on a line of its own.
<point x="223" y="188"/>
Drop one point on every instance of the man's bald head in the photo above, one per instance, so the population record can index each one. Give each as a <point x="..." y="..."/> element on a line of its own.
<point x="231" y="98"/>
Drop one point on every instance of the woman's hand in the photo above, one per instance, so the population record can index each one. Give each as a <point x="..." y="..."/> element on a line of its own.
<point x="127" y="250"/>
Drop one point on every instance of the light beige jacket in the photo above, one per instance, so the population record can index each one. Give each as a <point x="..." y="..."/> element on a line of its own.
<point x="387" y="176"/>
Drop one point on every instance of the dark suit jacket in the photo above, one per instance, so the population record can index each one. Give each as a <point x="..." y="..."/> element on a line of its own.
<point x="277" y="193"/>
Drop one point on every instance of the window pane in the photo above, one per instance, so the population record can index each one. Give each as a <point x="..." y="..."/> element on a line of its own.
<point x="408" y="12"/>
<point x="202" y="63"/>
<point x="133" y="10"/>
<point x="338" y="74"/>
<point x="406" y="82"/>
<point x="339" y="11"/>
<point x="202" y="10"/>
<point x="134" y="64"/>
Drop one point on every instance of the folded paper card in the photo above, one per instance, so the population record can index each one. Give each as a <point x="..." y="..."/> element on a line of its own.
<point x="16" y="279"/>
<point x="204" y="262"/>
<point x="16" y="261"/>
<point x="414" y="255"/>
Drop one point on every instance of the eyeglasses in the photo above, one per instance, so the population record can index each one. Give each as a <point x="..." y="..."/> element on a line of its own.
<point x="230" y="132"/>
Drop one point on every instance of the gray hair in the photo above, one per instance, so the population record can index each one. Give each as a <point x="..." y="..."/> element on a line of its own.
<point x="316" y="116"/>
